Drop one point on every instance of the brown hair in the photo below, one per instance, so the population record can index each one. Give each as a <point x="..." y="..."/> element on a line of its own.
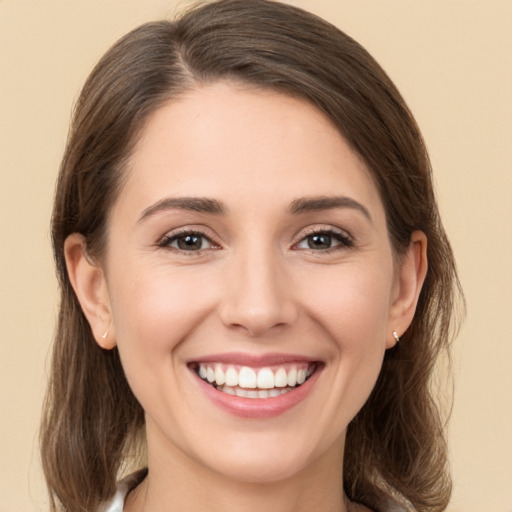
<point x="395" y="446"/>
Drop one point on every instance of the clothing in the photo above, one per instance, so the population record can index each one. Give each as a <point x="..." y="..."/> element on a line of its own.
<point x="116" y="504"/>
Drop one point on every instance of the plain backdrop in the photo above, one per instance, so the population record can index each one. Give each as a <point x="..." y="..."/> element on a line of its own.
<point x="452" y="61"/>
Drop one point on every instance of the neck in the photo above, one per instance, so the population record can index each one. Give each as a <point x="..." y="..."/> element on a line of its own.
<point x="177" y="482"/>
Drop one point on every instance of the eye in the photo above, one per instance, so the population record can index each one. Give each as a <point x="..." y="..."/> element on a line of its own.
<point x="324" y="240"/>
<point x="187" y="241"/>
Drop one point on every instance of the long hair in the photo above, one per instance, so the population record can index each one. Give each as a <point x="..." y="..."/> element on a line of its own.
<point x="91" y="424"/>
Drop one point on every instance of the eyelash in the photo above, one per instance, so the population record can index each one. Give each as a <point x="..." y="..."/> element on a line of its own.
<point x="344" y="241"/>
<point x="169" y="239"/>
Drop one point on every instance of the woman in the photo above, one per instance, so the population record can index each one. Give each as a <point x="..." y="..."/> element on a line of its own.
<point x="243" y="223"/>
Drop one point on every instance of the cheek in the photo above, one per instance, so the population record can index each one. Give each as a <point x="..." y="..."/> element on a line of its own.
<point x="353" y="310"/>
<point x="353" y="305"/>
<point x="153" y="312"/>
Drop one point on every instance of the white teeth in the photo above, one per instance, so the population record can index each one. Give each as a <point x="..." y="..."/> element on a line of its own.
<point x="247" y="378"/>
<point x="220" y="378"/>
<point x="231" y="378"/>
<point x="265" y="378"/>
<point x="254" y="393"/>
<point x="280" y="378"/>
<point x="210" y="374"/>
<point x="292" y="377"/>
<point x="241" y="392"/>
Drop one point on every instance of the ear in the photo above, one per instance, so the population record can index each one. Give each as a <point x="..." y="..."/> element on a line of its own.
<point x="408" y="283"/>
<point x="90" y="286"/>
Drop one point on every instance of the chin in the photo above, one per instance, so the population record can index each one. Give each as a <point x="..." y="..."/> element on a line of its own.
<point x="261" y="468"/>
<point x="267" y="457"/>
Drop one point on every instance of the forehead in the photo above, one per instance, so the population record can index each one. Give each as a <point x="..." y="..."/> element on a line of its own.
<point x="240" y="143"/>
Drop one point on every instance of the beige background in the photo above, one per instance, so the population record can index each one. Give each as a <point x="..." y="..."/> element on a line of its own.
<point x="452" y="61"/>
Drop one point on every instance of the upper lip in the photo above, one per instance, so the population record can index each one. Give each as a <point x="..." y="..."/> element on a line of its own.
<point x="253" y="360"/>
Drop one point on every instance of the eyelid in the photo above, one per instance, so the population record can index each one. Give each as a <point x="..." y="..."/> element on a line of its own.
<point x="345" y="238"/>
<point x="165" y="241"/>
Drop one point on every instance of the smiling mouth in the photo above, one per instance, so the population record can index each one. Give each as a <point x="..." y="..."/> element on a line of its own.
<point x="248" y="382"/>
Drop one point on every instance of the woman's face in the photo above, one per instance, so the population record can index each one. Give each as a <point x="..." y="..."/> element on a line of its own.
<point x="248" y="251"/>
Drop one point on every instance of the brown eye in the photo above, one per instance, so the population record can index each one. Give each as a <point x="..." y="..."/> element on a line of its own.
<point x="325" y="241"/>
<point x="189" y="241"/>
<point x="319" y="241"/>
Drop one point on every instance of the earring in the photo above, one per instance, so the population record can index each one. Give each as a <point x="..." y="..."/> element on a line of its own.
<point x="395" y="335"/>
<point x="104" y="336"/>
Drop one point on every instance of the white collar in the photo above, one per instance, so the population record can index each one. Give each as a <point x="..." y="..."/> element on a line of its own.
<point x="116" y="504"/>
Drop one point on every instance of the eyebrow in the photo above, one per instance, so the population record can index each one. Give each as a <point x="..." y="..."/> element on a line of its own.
<point x="215" y="207"/>
<point x="319" y="203"/>
<point x="194" y="204"/>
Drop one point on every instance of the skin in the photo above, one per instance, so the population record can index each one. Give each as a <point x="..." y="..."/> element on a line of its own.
<point x="255" y="287"/>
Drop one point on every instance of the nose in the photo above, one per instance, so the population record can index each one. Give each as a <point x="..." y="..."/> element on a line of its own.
<point x="258" y="296"/>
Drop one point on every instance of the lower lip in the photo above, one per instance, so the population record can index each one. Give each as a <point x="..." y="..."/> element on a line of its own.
<point x="259" y="408"/>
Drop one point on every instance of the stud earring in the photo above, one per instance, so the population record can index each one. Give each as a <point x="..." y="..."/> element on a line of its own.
<point x="395" y="335"/>
<point x="104" y="336"/>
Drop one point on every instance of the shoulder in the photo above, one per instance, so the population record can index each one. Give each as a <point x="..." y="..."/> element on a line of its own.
<point x="116" y="503"/>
